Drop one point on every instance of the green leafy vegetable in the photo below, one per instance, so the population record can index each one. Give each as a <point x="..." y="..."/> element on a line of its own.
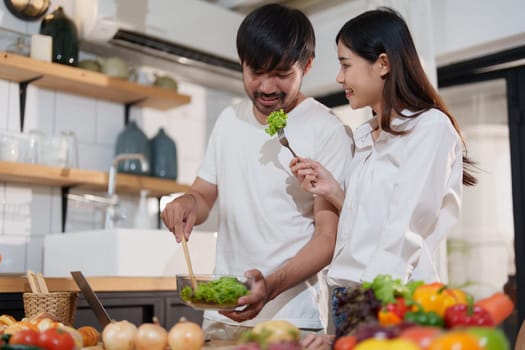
<point x="387" y="289"/>
<point x="276" y="121"/>
<point x="223" y="291"/>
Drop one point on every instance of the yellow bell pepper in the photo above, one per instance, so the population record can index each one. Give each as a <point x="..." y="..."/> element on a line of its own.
<point x="437" y="297"/>
<point x="386" y="344"/>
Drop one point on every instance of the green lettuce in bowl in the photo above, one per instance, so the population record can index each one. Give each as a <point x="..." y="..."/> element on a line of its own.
<point x="213" y="292"/>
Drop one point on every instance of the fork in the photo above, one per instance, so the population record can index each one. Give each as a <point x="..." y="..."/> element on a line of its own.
<point x="284" y="141"/>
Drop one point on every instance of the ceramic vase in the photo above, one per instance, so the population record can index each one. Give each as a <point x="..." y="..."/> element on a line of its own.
<point x="133" y="140"/>
<point x="65" y="39"/>
<point x="164" y="156"/>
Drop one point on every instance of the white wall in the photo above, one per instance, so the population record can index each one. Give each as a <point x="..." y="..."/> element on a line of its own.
<point x="444" y="31"/>
<point x="471" y="28"/>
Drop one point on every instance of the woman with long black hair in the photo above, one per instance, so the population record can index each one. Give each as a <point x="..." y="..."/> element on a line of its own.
<point x="403" y="194"/>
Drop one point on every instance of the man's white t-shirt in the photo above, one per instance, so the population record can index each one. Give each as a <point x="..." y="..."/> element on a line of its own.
<point x="265" y="217"/>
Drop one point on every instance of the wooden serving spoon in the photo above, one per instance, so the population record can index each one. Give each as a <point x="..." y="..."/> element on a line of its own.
<point x="188" y="263"/>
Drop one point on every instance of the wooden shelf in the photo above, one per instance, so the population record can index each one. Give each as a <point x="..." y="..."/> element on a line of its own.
<point x="82" y="82"/>
<point x="78" y="81"/>
<point x="88" y="179"/>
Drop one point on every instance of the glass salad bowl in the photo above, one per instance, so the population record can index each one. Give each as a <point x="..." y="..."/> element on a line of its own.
<point x="214" y="292"/>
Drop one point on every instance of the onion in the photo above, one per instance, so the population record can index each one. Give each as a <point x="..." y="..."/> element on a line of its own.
<point x="44" y="324"/>
<point x="185" y="335"/>
<point x="151" y="336"/>
<point x="278" y="330"/>
<point x="119" y="335"/>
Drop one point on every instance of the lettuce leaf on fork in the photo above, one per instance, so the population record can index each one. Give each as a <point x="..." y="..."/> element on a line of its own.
<point x="276" y="121"/>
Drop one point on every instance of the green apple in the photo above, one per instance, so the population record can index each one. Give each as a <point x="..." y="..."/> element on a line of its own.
<point x="490" y="338"/>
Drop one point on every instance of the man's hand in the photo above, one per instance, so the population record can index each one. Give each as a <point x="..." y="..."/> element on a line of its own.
<point x="254" y="301"/>
<point x="179" y="215"/>
<point x="192" y="208"/>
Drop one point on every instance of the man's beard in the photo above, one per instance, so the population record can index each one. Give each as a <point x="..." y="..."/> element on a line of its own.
<point x="279" y="102"/>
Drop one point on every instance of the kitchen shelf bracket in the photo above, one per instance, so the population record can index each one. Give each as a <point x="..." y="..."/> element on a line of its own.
<point x="65" y="192"/>
<point x="23" y="94"/>
<point x="127" y="108"/>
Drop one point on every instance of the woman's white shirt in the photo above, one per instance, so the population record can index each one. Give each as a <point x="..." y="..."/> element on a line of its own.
<point x="402" y="198"/>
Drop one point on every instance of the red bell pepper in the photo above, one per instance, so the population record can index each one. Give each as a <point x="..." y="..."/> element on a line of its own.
<point x="467" y="315"/>
<point x="393" y="313"/>
<point x="399" y="308"/>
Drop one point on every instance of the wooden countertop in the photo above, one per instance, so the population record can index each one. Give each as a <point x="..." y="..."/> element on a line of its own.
<point x="99" y="284"/>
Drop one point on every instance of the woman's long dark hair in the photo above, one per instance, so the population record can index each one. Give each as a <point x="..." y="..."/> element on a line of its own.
<point x="406" y="85"/>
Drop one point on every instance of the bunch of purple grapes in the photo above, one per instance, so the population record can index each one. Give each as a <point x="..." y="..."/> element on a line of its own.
<point x="354" y="306"/>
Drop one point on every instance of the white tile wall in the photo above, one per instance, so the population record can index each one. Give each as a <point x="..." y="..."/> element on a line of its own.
<point x="17" y="210"/>
<point x="13" y="112"/>
<point x="4" y="103"/>
<point x="40" y="110"/>
<point x="42" y="197"/>
<point x="13" y="251"/>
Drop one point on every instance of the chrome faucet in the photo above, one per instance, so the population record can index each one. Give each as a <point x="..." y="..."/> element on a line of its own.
<point x="113" y="169"/>
<point x="111" y="217"/>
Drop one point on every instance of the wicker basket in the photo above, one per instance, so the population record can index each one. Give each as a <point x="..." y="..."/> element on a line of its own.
<point x="63" y="305"/>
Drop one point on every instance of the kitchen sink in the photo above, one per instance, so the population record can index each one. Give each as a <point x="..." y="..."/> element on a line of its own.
<point x="126" y="252"/>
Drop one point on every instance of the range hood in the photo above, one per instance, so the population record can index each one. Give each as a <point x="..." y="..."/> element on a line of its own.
<point x="191" y="39"/>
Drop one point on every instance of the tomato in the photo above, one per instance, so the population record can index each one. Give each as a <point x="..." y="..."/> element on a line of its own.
<point x="420" y="335"/>
<point x="56" y="339"/>
<point x="25" y="337"/>
<point x="346" y="342"/>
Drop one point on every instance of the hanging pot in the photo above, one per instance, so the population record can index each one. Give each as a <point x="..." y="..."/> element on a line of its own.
<point x="27" y="10"/>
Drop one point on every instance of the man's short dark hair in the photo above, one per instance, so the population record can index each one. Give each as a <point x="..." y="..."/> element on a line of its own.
<point x="275" y="37"/>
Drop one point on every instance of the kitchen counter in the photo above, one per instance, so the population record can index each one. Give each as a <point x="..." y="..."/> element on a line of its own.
<point x="99" y="284"/>
<point x="135" y="299"/>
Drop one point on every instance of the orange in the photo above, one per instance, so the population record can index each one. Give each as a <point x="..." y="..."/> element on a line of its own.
<point x="455" y="341"/>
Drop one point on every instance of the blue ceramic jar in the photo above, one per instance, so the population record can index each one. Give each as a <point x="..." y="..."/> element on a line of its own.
<point x="133" y="140"/>
<point x="164" y="156"/>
